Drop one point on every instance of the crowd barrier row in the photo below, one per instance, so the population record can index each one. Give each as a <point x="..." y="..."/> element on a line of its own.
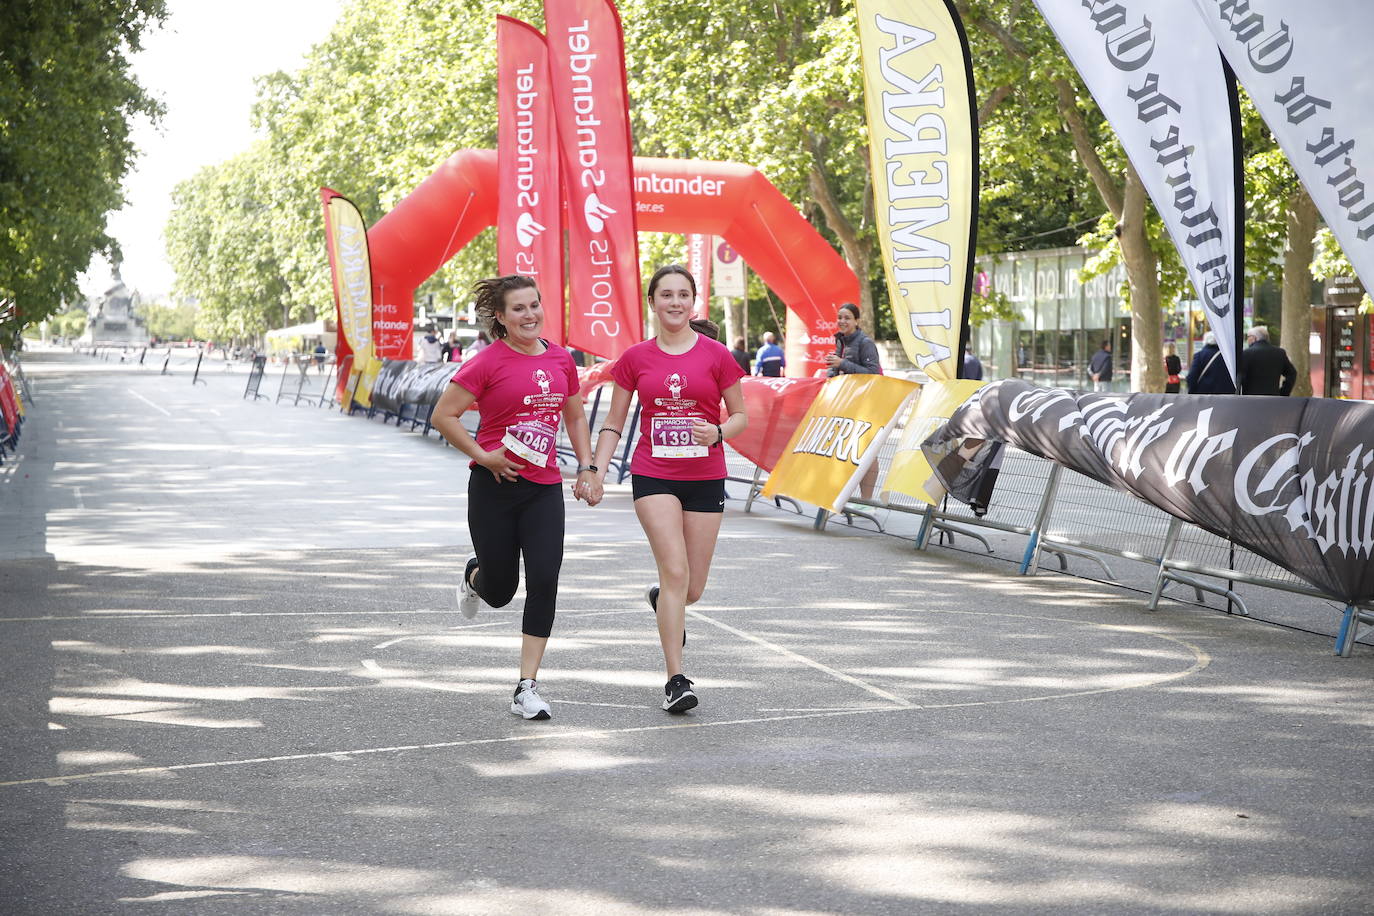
<point x="1059" y="512"/>
<point x="1063" y="513"/>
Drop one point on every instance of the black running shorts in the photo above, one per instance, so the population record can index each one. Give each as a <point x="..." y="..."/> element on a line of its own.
<point x="695" y="495"/>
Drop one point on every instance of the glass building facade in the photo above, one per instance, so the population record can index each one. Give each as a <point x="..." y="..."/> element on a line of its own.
<point x="1062" y="320"/>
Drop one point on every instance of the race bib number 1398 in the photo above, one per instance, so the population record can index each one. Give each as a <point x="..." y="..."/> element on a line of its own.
<point x="671" y="437"/>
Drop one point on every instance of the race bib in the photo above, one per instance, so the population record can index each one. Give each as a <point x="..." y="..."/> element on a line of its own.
<point x="671" y="437"/>
<point x="531" y="441"/>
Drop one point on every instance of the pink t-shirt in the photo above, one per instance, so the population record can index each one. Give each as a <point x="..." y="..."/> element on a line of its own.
<point x="672" y="391"/>
<point x="521" y="402"/>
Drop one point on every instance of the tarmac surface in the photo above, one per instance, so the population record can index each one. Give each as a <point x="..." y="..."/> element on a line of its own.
<point x="233" y="680"/>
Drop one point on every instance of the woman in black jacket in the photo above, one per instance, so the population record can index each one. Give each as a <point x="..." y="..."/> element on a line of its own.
<point x="855" y="352"/>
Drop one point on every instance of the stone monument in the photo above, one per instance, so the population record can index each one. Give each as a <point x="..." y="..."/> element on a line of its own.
<point x="113" y="323"/>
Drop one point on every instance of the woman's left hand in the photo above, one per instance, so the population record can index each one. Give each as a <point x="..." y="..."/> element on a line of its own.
<point x="832" y="360"/>
<point x="703" y="433"/>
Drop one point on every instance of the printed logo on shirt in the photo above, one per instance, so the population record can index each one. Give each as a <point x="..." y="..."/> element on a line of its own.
<point x="675" y="382"/>
<point x="545" y="400"/>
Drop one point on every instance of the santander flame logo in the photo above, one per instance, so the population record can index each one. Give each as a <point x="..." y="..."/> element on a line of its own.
<point x="526" y="229"/>
<point x="596" y="213"/>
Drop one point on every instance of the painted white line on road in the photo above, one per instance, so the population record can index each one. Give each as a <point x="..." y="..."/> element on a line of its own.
<point x="148" y="402"/>
<point x="797" y="657"/>
<point x="1200" y="660"/>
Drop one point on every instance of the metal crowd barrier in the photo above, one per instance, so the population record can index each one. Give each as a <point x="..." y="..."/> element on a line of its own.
<point x="1064" y="513"/>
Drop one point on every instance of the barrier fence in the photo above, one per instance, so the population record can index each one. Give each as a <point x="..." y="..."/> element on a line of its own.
<point x="1057" y="511"/>
<point x="1064" y="513"/>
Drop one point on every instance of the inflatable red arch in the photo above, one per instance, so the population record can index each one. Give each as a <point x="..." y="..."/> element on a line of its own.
<point x="733" y="201"/>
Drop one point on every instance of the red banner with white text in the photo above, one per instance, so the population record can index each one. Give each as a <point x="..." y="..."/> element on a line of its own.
<point x="699" y="263"/>
<point x="587" y="67"/>
<point x="775" y="407"/>
<point x="529" y="234"/>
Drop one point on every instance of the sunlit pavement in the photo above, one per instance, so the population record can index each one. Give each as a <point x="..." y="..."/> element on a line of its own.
<point x="234" y="681"/>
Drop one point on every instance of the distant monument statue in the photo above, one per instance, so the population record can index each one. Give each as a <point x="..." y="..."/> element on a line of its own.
<point x="113" y="323"/>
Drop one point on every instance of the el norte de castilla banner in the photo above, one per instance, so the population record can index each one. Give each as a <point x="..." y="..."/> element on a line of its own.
<point x="1160" y="80"/>
<point x="1291" y="479"/>
<point x="1306" y="68"/>
<point x="923" y="147"/>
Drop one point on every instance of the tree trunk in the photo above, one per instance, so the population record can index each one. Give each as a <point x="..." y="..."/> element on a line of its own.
<point x="1296" y="313"/>
<point x="856" y="250"/>
<point x="1142" y="273"/>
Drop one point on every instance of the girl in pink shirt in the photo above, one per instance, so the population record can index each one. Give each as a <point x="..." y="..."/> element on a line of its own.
<point x="523" y="385"/>
<point x="678" y="466"/>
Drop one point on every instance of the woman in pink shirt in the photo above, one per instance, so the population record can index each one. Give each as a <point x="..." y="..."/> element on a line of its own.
<point x="523" y="384"/>
<point x="678" y="466"/>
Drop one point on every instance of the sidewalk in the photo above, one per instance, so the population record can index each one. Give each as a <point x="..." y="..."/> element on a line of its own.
<point x="235" y="682"/>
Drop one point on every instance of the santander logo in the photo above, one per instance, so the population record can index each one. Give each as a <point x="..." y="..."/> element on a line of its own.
<point x="596" y="212"/>
<point x="526" y="229"/>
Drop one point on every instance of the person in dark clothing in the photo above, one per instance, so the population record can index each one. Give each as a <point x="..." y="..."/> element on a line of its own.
<point x="855" y="352"/>
<point x="770" y="360"/>
<point x="1100" y="367"/>
<point x="973" y="367"/>
<point x="1173" y="366"/>
<point x="1265" y="368"/>
<point x="1208" y="373"/>
<point x="741" y="355"/>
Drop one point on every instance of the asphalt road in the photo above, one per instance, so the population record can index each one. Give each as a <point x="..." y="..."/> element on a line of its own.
<point x="233" y="680"/>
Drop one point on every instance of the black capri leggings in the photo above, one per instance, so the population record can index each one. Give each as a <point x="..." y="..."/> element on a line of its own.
<point x="506" y="520"/>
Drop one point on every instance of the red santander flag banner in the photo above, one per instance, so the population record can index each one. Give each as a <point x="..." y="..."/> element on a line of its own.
<point x="591" y="105"/>
<point x="699" y="263"/>
<point x="529" y="234"/>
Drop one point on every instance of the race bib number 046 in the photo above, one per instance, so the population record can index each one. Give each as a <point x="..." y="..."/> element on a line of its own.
<point x="532" y="442"/>
<point x="671" y="437"/>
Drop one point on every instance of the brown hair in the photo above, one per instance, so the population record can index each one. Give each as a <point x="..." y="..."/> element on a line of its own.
<point x="489" y="299"/>
<point x="853" y="308"/>
<point x="664" y="271"/>
<point x="706" y="327"/>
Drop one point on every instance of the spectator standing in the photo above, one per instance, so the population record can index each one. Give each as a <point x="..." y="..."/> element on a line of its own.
<point x="1208" y="373"/>
<point x="1100" y="367"/>
<point x="769" y="360"/>
<point x="1172" y="367"/>
<point x="321" y="354"/>
<point x="430" y="348"/>
<point x="452" y="350"/>
<point x="1265" y="368"/>
<point x="973" y="367"/>
<point x="741" y="355"/>
<point x="477" y="346"/>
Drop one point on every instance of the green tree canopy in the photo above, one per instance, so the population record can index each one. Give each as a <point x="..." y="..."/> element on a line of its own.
<point x="67" y="99"/>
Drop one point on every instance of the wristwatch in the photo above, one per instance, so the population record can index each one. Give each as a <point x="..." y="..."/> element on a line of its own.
<point x="720" y="435"/>
<point x="588" y="467"/>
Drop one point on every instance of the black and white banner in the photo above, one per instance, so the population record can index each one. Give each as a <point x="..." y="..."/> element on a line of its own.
<point x="1305" y="66"/>
<point x="1160" y="81"/>
<point x="1292" y="479"/>
<point x="402" y="382"/>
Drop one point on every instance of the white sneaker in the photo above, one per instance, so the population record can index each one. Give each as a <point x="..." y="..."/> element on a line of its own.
<point x="468" y="599"/>
<point x="527" y="701"/>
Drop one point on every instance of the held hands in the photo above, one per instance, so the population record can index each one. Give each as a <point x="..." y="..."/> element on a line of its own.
<point x="832" y="360"/>
<point x="588" y="488"/>
<point x="500" y="465"/>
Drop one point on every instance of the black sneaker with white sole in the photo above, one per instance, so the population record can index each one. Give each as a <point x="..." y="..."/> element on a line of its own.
<point x="652" y="597"/>
<point x="678" y="695"/>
